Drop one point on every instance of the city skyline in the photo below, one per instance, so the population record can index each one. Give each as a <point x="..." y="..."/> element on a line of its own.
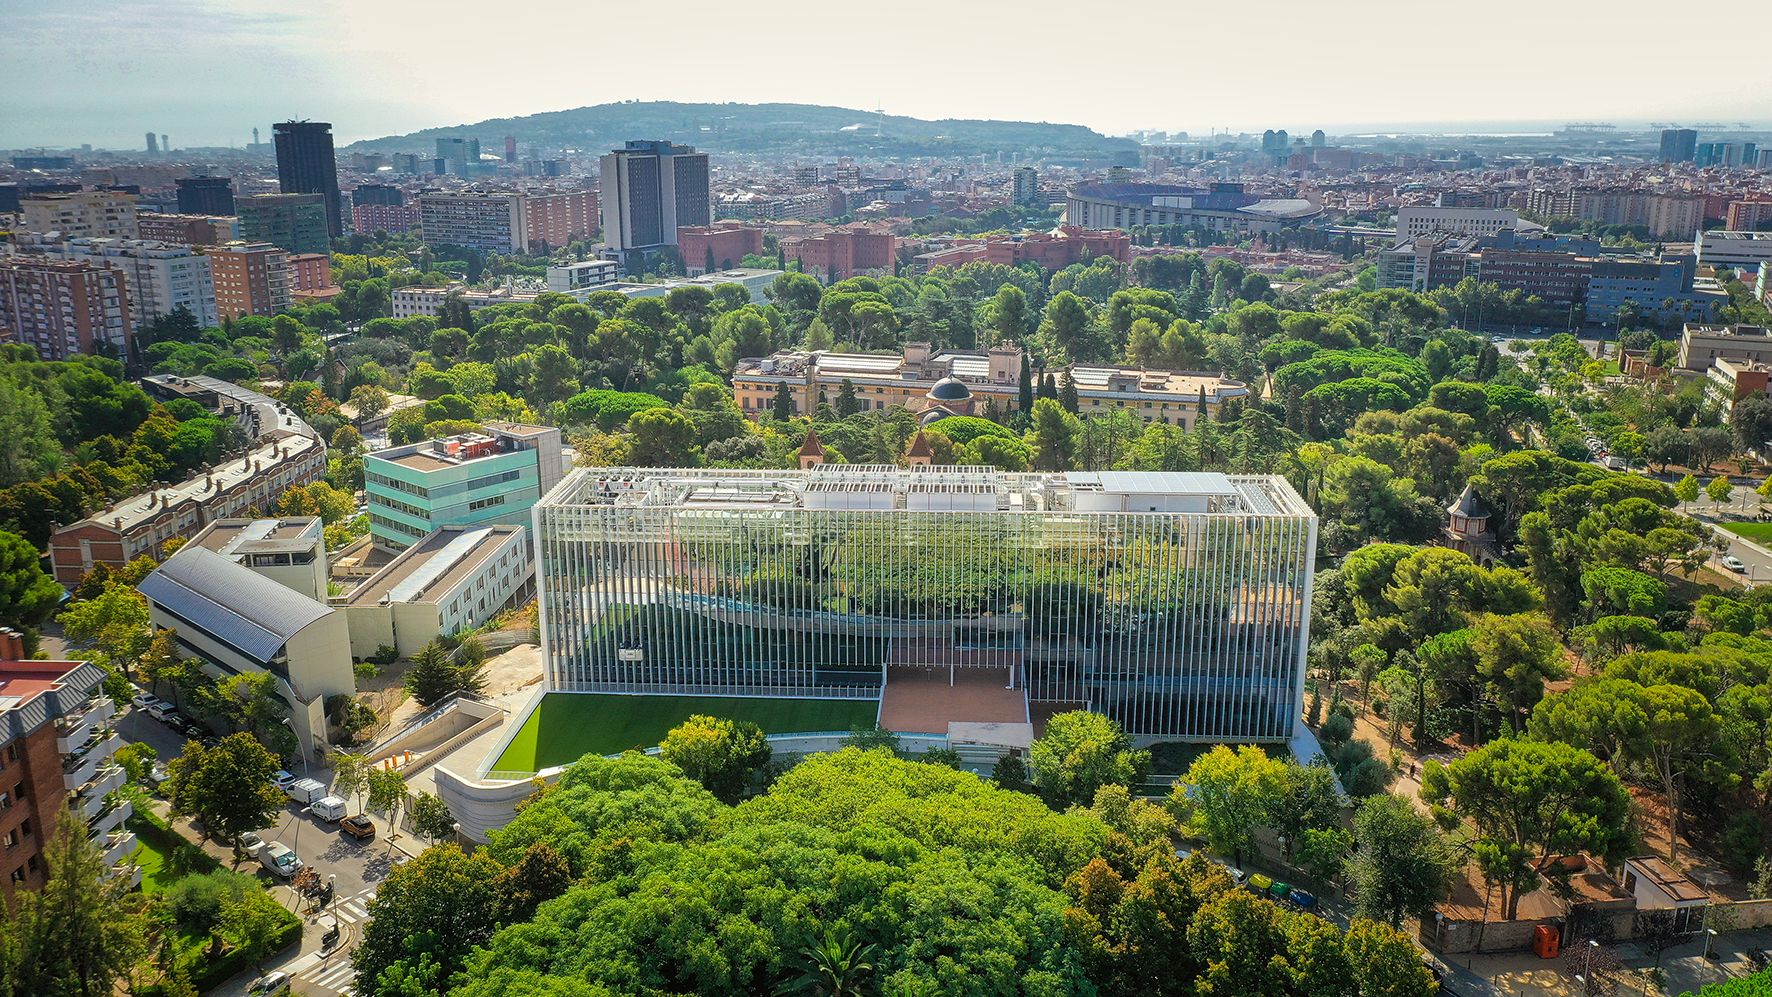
<point x="356" y="68"/>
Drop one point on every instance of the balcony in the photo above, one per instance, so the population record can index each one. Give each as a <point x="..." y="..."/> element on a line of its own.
<point x="111" y="817"/>
<point x="118" y="845"/>
<point x="133" y="873"/>
<point x="78" y="726"/>
<point x="82" y="766"/>
<point x="92" y="797"/>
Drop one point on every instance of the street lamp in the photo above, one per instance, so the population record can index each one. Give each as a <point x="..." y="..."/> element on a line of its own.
<point x="1710" y="935"/>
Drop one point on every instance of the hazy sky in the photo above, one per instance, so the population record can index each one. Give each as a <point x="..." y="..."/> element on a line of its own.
<point x="207" y="71"/>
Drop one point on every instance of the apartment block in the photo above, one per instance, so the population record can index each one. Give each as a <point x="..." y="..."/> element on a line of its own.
<point x="205" y="196"/>
<point x="106" y="214"/>
<point x="556" y="219"/>
<point x="56" y="746"/>
<point x="650" y="190"/>
<point x="251" y="278"/>
<point x="65" y="307"/>
<point x="284" y="452"/>
<point x="368" y="219"/>
<point x="160" y="277"/>
<point x="467" y="480"/>
<point x="494" y="222"/>
<point x="1701" y="345"/>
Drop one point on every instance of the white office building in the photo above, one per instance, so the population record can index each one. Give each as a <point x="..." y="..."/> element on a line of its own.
<point x="1719" y="248"/>
<point x="1418" y="220"/>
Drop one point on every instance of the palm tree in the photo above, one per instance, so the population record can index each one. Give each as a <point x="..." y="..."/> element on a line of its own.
<point x="838" y="966"/>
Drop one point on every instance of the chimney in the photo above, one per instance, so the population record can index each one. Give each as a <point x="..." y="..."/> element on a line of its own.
<point x="12" y="645"/>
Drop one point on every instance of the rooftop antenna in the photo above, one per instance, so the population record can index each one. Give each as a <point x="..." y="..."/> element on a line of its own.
<point x="880" y="119"/>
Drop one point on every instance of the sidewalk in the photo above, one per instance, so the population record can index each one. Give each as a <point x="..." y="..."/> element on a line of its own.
<point x="1684" y="969"/>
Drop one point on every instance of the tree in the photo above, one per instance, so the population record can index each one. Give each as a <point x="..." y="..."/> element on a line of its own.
<point x="27" y="593"/>
<point x="783" y="405"/>
<point x="1080" y="753"/>
<point x="1530" y="802"/>
<point x="435" y="675"/>
<point x="1227" y="794"/>
<point x="251" y="923"/>
<point x="440" y="905"/>
<point x="1308" y="801"/>
<point x="1024" y="396"/>
<point x="369" y="401"/>
<point x="29" y="449"/>
<point x="847" y="403"/>
<point x="227" y="787"/>
<point x="387" y="796"/>
<point x="114" y="624"/>
<point x="663" y="437"/>
<point x="1686" y="489"/>
<point x="1402" y="864"/>
<point x="1719" y="490"/>
<point x="350" y="777"/>
<point x="1516" y="655"/>
<point x="540" y="875"/>
<point x="1067" y="391"/>
<point x="1054" y="436"/>
<point x="720" y="754"/>
<point x="80" y="933"/>
<point x="431" y="817"/>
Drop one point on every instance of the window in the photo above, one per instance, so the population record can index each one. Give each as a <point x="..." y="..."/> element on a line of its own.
<point x="9" y="840"/>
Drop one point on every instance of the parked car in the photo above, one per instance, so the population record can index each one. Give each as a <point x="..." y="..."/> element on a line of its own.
<point x="250" y="843"/>
<point x="358" y="827"/>
<point x="1734" y="564"/>
<point x="305" y="791"/>
<point x="158" y="775"/>
<point x="279" y="859"/>
<point x="144" y="700"/>
<point x="269" y="985"/>
<point x="328" y="808"/>
<point x="283" y="780"/>
<point x="159" y="709"/>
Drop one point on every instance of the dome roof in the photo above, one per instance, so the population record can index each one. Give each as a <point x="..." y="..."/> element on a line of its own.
<point x="933" y="415"/>
<point x="950" y="389"/>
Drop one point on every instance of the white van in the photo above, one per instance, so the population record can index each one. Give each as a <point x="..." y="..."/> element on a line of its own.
<point x="329" y="808"/>
<point x="306" y="791"/>
<point x="279" y="859"/>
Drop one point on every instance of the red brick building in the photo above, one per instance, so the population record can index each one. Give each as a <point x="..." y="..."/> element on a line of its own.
<point x="186" y="230"/>
<point x="844" y="253"/>
<point x="368" y="219"/>
<point x="55" y="749"/>
<point x="554" y="220"/>
<point x="727" y="242"/>
<point x="1747" y="215"/>
<point x="310" y="271"/>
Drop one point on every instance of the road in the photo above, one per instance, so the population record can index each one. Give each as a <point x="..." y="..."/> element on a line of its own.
<point x="358" y="868"/>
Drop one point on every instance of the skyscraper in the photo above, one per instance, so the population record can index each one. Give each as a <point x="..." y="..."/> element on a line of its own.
<point x="1678" y="145"/>
<point x="306" y="165"/>
<point x="649" y="189"/>
<point x="153" y="144"/>
<point x="1027" y="185"/>
<point x="460" y="156"/>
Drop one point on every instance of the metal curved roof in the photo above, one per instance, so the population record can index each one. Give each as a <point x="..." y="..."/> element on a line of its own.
<point x="234" y="604"/>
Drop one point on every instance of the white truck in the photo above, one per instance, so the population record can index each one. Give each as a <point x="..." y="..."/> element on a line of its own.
<point x="280" y="859"/>
<point x="328" y="808"/>
<point x="306" y="791"/>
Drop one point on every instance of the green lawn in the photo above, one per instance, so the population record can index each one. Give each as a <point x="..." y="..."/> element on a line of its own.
<point x="568" y="725"/>
<point x="164" y="856"/>
<point x="1760" y="533"/>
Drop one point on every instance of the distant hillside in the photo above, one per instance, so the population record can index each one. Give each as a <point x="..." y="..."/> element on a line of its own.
<point x="773" y="129"/>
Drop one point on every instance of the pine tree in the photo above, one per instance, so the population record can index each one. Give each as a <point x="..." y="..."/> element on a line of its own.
<point x="1201" y="416"/>
<point x="783" y="409"/>
<point x="1067" y="392"/>
<point x="847" y="403"/>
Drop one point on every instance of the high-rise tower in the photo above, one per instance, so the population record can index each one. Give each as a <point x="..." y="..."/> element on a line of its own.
<point x="306" y="164"/>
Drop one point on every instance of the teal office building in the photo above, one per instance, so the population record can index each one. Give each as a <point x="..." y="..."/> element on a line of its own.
<point x="471" y="479"/>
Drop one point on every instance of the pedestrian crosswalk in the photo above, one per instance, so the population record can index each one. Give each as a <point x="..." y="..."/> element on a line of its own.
<point x="336" y="974"/>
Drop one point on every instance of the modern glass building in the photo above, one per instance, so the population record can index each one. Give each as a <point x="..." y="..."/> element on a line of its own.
<point x="1178" y="604"/>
